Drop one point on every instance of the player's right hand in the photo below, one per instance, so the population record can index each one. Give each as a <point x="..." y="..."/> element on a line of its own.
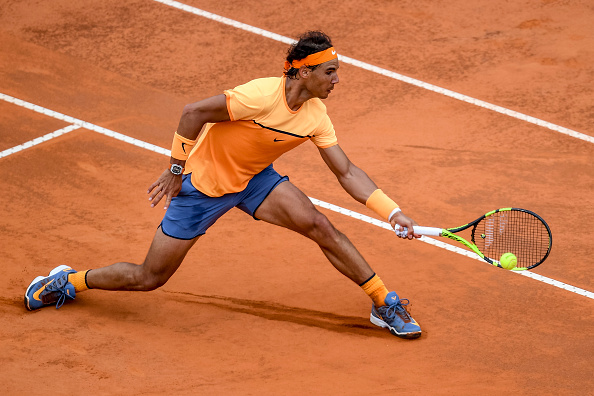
<point x="167" y="185"/>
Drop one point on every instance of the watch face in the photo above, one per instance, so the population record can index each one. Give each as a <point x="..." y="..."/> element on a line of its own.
<point x="176" y="169"/>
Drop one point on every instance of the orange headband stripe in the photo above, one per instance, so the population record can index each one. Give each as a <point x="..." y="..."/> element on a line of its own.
<point x="313" y="59"/>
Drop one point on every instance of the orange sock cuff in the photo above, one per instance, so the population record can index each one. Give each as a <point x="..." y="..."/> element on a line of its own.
<point x="79" y="281"/>
<point x="376" y="290"/>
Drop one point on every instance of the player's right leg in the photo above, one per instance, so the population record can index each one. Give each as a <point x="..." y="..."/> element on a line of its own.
<point x="190" y="214"/>
<point x="162" y="260"/>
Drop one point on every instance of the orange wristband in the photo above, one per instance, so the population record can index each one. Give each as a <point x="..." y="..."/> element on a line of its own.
<point x="381" y="204"/>
<point x="181" y="147"/>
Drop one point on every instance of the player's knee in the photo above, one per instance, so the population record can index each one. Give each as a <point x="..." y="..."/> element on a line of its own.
<point x="148" y="281"/>
<point x="321" y="230"/>
<point x="153" y="283"/>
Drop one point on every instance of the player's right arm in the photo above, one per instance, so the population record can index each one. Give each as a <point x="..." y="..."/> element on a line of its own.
<point x="191" y="123"/>
<point x="195" y="115"/>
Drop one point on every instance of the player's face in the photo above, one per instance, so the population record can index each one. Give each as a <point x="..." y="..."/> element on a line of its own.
<point x="323" y="78"/>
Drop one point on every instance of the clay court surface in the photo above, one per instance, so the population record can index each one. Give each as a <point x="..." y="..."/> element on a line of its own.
<point x="255" y="309"/>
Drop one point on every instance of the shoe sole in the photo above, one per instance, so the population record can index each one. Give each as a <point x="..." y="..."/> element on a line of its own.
<point x="378" y="322"/>
<point x="39" y="278"/>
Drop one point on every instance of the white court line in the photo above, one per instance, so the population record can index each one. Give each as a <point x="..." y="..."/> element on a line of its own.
<point x="38" y="140"/>
<point x="383" y="72"/>
<point x="83" y="124"/>
<point x="322" y="204"/>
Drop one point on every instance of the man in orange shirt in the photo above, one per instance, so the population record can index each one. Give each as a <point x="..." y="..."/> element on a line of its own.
<point x="221" y="157"/>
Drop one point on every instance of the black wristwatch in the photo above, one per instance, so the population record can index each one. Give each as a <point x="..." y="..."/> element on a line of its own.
<point x="176" y="169"/>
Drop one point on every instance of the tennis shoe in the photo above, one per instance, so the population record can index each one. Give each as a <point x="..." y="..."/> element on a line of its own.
<point x="47" y="290"/>
<point x="395" y="317"/>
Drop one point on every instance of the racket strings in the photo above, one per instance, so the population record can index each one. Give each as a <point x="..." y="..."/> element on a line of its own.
<point x="513" y="231"/>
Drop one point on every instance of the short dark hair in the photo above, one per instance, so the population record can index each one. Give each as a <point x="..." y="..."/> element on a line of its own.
<point x="309" y="43"/>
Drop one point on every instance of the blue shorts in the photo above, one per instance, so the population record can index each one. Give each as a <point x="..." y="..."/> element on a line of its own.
<point x="191" y="213"/>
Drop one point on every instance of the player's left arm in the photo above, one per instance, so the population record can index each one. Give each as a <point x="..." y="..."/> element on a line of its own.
<point x="357" y="183"/>
<point x="353" y="179"/>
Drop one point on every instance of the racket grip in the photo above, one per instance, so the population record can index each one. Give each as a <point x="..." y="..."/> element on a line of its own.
<point x="429" y="231"/>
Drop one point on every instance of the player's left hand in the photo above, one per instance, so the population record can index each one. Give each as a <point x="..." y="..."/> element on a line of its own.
<point x="401" y="221"/>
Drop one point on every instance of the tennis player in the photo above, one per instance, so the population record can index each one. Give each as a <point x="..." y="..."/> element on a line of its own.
<point x="222" y="156"/>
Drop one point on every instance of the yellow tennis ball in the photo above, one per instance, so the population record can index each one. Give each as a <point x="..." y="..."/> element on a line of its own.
<point x="508" y="261"/>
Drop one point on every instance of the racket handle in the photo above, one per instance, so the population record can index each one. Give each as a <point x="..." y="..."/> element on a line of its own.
<point x="429" y="231"/>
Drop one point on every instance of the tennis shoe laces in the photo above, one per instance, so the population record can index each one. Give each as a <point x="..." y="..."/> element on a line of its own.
<point x="395" y="317"/>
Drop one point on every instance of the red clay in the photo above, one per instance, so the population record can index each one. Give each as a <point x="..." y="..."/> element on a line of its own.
<point x="256" y="309"/>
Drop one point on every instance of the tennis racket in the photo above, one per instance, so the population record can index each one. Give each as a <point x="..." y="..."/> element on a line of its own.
<point x="513" y="230"/>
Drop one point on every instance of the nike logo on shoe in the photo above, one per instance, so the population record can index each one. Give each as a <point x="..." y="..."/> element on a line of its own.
<point x="38" y="292"/>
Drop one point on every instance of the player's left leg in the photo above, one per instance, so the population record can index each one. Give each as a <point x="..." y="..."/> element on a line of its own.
<point x="288" y="207"/>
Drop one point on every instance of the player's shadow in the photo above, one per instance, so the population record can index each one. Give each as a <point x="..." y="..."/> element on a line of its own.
<point x="282" y="313"/>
